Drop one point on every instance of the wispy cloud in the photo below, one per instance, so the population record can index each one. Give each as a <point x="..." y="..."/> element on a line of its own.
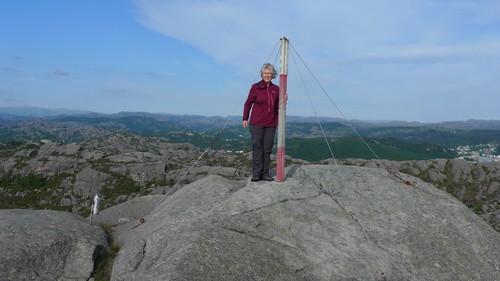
<point x="428" y="55"/>
<point x="116" y="91"/>
<point x="10" y="98"/>
<point x="392" y="30"/>
<point x="60" y="72"/>
<point x="9" y="69"/>
<point x="30" y="80"/>
<point x="157" y="74"/>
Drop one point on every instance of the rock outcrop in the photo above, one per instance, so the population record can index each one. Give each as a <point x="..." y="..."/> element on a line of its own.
<point x="48" y="245"/>
<point x="118" y="167"/>
<point x="125" y="167"/>
<point x="322" y="223"/>
<point x="475" y="184"/>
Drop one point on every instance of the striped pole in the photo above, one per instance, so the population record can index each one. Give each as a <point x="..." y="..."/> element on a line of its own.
<point x="280" y="169"/>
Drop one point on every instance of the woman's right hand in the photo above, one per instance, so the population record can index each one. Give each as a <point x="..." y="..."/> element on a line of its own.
<point x="244" y="123"/>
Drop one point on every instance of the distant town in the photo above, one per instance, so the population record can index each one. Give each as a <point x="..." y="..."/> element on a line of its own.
<point x="479" y="153"/>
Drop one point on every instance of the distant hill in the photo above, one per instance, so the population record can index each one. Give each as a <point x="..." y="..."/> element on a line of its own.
<point x="206" y="123"/>
<point x="391" y="139"/>
<point x="470" y="124"/>
<point x="136" y="124"/>
<point x="435" y="135"/>
<point x="37" y="112"/>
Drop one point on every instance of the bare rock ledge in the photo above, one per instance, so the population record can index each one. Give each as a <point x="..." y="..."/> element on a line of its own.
<point x="323" y="223"/>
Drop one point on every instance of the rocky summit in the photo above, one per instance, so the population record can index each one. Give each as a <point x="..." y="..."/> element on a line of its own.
<point x="325" y="222"/>
<point x="475" y="184"/>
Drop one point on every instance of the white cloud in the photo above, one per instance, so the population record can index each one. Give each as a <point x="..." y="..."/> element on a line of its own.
<point x="385" y="49"/>
<point x="440" y="54"/>
<point x="240" y="32"/>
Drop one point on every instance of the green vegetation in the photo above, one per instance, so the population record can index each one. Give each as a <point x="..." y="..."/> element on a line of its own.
<point x="28" y="192"/>
<point x="316" y="149"/>
<point x="10" y="144"/>
<point x="312" y="129"/>
<point x="103" y="265"/>
<point x="157" y="182"/>
<point x="119" y="185"/>
<point x="435" y="135"/>
<point x="29" y="182"/>
<point x="9" y="147"/>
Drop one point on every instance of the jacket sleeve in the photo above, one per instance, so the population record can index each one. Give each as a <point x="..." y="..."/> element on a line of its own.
<point x="249" y="104"/>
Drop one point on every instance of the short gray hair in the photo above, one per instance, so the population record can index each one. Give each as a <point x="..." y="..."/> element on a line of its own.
<point x="268" y="66"/>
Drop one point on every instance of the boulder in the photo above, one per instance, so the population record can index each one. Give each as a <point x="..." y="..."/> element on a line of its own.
<point x="90" y="181"/>
<point x="322" y="223"/>
<point x="48" y="245"/>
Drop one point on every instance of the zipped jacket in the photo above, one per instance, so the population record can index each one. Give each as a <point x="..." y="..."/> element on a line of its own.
<point x="263" y="100"/>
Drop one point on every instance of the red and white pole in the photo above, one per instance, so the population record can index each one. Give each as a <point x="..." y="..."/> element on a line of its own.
<point x="280" y="169"/>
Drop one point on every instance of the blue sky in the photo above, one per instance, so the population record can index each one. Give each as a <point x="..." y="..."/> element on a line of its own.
<point x="415" y="60"/>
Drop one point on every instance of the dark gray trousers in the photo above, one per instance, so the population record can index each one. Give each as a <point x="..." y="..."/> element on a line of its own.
<point x="262" y="147"/>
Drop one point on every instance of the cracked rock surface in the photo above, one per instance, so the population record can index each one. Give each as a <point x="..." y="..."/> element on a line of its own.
<point x="48" y="245"/>
<point x="323" y="223"/>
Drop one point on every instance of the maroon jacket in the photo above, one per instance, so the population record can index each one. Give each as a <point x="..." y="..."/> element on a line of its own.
<point x="264" y="102"/>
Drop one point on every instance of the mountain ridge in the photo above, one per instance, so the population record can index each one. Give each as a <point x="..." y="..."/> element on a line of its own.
<point x="39" y="112"/>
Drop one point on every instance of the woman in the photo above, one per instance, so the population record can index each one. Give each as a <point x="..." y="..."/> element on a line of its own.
<point x="263" y="101"/>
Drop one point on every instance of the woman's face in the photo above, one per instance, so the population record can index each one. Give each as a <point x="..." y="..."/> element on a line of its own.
<point x="267" y="75"/>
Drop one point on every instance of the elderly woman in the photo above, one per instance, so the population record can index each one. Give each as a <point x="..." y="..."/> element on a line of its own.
<point x="263" y="101"/>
